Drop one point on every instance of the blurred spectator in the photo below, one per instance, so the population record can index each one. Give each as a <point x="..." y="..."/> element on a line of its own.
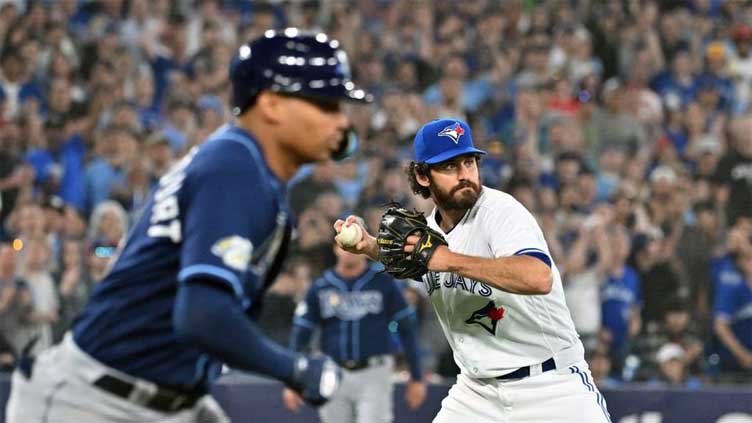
<point x="101" y="252"/>
<point x="16" y="83"/>
<point x="678" y="328"/>
<point x="600" y="367"/>
<point x="42" y="293"/>
<point x="109" y="222"/>
<point x="733" y="325"/>
<point x="656" y="275"/>
<point x="11" y="312"/>
<point x="677" y="86"/>
<point x="734" y="171"/>
<point x="698" y="246"/>
<point x="621" y="300"/>
<point x="612" y="126"/>
<point x="28" y="222"/>
<point x="716" y="65"/>
<point x="159" y="156"/>
<point x="589" y="261"/>
<point x="740" y="66"/>
<point x="13" y="175"/>
<point x="73" y="286"/>
<point x="58" y="163"/>
<point x="115" y="148"/>
<point x="673" y="372"/>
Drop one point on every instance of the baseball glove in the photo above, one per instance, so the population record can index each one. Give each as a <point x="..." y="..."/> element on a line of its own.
<point x="396" y="225"/>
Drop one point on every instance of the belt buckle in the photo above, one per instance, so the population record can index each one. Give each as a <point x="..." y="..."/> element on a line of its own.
<point x="178" y="402"/>
<point x="142" y="393"/>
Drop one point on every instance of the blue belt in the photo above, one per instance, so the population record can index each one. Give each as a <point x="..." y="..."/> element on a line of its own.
<point x="525" y="371"/>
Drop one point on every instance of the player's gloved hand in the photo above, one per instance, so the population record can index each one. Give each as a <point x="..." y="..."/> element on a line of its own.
<point x="397" y="224"/>
<point x="316" y="379"/>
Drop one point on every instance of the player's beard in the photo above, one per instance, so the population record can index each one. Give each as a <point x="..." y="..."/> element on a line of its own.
<point x="455" y="200"/>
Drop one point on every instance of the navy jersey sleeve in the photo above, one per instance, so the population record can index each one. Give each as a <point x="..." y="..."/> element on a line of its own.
<point x="404" y="314"/>
<point x="396" y="307"/>
<point x="307" y="318"/>
<point x="307" y="313"/>
<point x="228" y="211"/>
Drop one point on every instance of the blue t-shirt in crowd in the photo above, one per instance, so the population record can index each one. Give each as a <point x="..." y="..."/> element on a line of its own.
<point x="733" y="303"/>
<point x="619" y="296"/>
<point x="70" y="162"/>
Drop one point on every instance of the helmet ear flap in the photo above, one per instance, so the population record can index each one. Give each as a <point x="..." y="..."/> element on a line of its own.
<point x="347" y="145"/>
<point x="240" y="104"/>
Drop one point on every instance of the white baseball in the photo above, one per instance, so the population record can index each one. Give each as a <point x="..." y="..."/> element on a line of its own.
<point x="349" y="235"/>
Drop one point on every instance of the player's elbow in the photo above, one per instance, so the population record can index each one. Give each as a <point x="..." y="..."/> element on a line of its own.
<point x="186" y="329"/>
<point x="195" y="314"/>
<point x="543" y="281"/>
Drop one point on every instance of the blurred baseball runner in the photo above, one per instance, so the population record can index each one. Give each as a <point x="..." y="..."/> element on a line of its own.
<point x="181" y="297"/>
<point x="494" y="287"/>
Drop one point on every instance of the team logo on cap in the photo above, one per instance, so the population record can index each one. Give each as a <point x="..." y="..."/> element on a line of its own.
<point x="453" y="131"/>
<point x="487" y="317"/>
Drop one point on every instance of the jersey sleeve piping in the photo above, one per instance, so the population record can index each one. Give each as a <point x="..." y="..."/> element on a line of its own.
<point x="535" y="252"/>
<point x="216" y="273"/>
<point x="403" y="313"/>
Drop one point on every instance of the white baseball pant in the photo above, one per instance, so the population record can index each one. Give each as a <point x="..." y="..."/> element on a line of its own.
<point x="60" y="390"/>
<point x="563" y="395"/>
<point x="365" y="396"/>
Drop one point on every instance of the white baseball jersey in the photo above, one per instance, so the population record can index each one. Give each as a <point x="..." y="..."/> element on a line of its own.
<point x="492" y="332"/>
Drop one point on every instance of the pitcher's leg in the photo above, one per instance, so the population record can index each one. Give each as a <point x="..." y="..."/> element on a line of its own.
<point x="471" y="401"/>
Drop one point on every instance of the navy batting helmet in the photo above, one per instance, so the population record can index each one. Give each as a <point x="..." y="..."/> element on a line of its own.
<point x="292" y="62"/>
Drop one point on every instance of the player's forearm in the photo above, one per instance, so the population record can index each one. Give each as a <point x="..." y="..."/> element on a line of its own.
<point x="408" y="329"/>
<point x="300" y="338"/>
<point x="523" y="275"/>
<point x="372" y="249"/>
<point x="210" y="319"/>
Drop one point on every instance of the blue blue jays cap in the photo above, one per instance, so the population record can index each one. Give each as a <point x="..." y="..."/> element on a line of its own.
<point x="443" y="139"/>
<point x="293" y="62"/>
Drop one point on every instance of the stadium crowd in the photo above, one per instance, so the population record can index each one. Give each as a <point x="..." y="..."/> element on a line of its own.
<point x="624" y="126"/>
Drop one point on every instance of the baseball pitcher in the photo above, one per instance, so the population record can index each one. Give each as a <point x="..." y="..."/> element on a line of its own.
<point x="487" y="269"/>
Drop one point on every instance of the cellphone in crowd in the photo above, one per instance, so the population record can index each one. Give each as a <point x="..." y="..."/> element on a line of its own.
<point x="104" y="252"/>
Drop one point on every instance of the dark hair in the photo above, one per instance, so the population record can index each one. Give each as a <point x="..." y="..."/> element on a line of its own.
<point x="424" y="169"/>
<point x="421" y="169"/>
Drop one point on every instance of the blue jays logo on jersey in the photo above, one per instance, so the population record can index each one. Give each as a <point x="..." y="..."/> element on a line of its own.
<point x="487" y="317"/>
<point x="453" y="131"/>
